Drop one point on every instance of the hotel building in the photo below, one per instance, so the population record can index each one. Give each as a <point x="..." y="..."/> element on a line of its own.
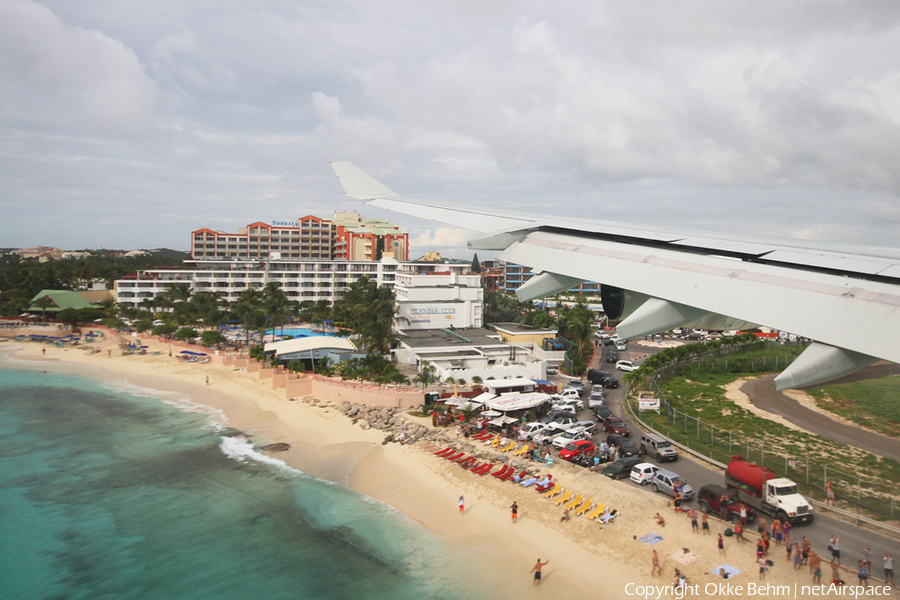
<point x="346" y="236"/>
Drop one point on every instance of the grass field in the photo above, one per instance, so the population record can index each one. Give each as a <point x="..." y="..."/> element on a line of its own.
<point x="698" y="414"/>
<point x="873" y="403"/>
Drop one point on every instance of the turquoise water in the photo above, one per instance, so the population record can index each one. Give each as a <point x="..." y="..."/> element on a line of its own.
<point x="112" y="491"/>
<point x="297" y="332"/>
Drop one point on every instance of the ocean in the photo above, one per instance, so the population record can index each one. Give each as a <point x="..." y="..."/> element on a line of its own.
<point x="109" y="490"/>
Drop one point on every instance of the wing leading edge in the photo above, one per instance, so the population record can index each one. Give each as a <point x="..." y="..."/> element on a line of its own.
<point x="658" y="279"/>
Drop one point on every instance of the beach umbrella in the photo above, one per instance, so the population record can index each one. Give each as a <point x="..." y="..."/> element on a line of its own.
<point x="491" y="413"/>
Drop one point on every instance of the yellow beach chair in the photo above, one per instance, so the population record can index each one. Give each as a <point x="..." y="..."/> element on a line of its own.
<point x="584" y="507"/>
<point x="563" y="498"/>
<point x="495" y="442"/>
<point x="575" y="502"/>
<point x="552" y="492"/>
<point x="508" y="448"/>
<point x="521" y="450"/>
<point x="598" y="510"/>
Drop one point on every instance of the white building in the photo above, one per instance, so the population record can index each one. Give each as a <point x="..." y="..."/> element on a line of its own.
<point x="302" y="280"/>
<point x="439" y="299"/>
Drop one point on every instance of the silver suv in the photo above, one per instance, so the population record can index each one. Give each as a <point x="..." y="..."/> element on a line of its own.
<point x="659" y="447"/>
<point x="665" y="481"/>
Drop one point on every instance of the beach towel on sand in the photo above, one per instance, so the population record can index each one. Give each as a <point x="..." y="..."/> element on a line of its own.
<point x="729" y="571"/>
<point x="651" y="538"/>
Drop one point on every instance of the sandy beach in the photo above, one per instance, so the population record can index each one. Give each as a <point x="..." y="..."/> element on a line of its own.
<point x="585" y="557"/>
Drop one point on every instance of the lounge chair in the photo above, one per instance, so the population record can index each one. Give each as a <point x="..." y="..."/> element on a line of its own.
<point x="484" y="469"/>
<point x="484" y="435"/>
<point x="521" y="450"/>
<point x="553" y="491"/>
<point x="575" y="502"/>
<point x="529" y="482"/>
<point x="518" y="478"/>
<point x="507" y="475"/>
<point x="598" y="510"/>
<point x="453" y="456"/>
<point x="445" y="452"/>
<point x="502" y="471"/>
<point x="467" y="464"/>
<point x="545" y="484"/>
<point x="584" y="508"/>
<point x="566" y="495"/>
<point x="509" y="447"/>
<point x="609" y="516"/>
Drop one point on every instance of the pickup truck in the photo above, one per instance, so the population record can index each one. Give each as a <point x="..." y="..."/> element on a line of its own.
<point x="709" y="499"/>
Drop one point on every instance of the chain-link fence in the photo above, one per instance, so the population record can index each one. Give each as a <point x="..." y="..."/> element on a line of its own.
<point x="863" y="491"/>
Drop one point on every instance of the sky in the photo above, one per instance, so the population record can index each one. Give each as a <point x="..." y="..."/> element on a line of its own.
<point x="129" y="124"/>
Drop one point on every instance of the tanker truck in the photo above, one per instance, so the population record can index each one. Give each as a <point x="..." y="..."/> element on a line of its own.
<point x="766" y="492"/>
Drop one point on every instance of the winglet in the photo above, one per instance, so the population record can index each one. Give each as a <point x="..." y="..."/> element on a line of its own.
<point x="357" y="184"/>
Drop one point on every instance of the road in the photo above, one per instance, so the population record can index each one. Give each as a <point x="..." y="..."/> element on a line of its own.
<point x="762" y="394"/>
<point x="698" y="474"/>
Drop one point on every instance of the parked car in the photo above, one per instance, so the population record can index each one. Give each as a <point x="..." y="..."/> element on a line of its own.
<point x="552" y="370"/>
<point x="621" y="346"/>
<point x="597" y="396"/>
<point x="614" y="424"/>
<point x="596" y="376"/>
<point x="572" y="393"/>
<point x="570" y="435"/>
<point x="529" y="430"/>
<point x="566" y="421"/>
<point x="588" y="427"/>
<point x="625" y="446"/>
<point x="626" y="365"/>
<point x="576" y="448"/>
<point x="665" y="481"/>
<point x="601" y="412"/>
<point x="643" y="473"/>
<point x="621" y="468"/>
<point x="709" y="499"/>
<point x="602" y="335"/>
<point x="659" y="447"/>
<point x="545" y="437"/>
<point x="575" y="384"/>
<point x="551" y="416"/>
<point x="573" y="404"/>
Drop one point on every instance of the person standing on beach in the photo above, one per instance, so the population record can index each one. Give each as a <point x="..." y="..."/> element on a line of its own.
<point x="705" y="521"/>
<point x="867" y="557"/>
<point x="43" y="352"/>
<point x="815" y="565"/>
<point x="207" y="380"/>
<point x="458" y="431"/>
<point x="721" y="545"/>
<point x="694" y="526"/>
<point x="537" y="571"/>
<point x="836" y="549"/>
<point x="889" y="568"/>
<point x="657" y="569"/>
<point x="763" y="565"/>
<point x="829" y="494"/>
<point x="515" y="512"/>
<point x="462" y="505"/>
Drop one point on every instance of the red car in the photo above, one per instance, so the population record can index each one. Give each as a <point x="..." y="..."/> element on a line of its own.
<point x="614" y="424"/>
<point x="576" y="448"/>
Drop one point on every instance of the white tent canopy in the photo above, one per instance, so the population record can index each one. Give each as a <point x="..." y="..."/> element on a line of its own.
<point x="510" y="402"/>
<point x="501" y="421"/>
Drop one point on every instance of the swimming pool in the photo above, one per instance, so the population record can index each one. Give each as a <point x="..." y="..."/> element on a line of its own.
<point x="297" y="332"/>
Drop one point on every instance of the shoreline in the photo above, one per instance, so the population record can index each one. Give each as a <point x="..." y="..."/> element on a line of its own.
<point x="583" y="554"/>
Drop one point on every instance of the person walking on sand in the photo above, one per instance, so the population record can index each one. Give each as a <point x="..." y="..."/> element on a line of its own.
<point x="515" y="512"/>
<point x="43" y="352"/>
<point x="657" y="569"/>
<point x="462" y="505"/>
<point x="207" y="380"/>
<point x="763" y="565"/>
<point x="537" y="571"/>
<point x="721" y="545"/>
<point x="739" y="532"/>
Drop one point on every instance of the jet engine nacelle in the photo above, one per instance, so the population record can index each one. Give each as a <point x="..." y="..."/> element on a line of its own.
<point x="642" y="314"/>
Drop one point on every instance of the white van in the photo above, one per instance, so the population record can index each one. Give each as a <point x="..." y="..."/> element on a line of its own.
<point x="643" y="473"/>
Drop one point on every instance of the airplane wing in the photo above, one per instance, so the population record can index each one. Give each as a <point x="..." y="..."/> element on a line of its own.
<point x="655" y="279"/>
